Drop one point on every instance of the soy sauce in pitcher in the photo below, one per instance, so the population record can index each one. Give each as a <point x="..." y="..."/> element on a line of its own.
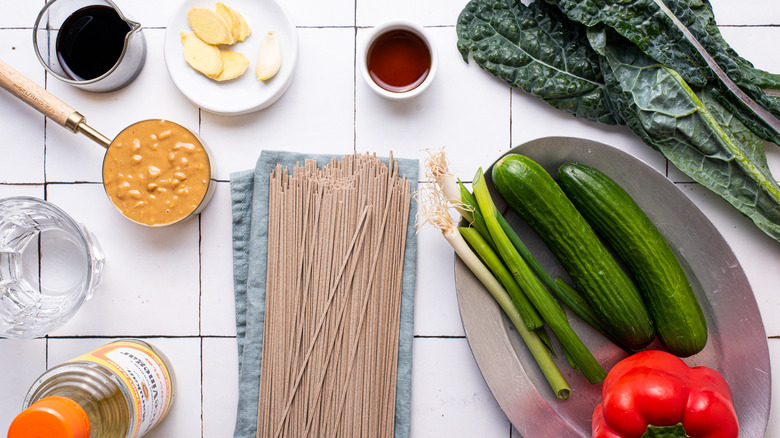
<point x="91" y="41"/>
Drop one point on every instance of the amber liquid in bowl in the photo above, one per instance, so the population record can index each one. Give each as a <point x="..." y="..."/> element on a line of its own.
<point x="398" y="60"/>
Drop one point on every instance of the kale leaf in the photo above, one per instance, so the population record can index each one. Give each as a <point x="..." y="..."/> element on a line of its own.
<point x="625" y="61"/>
<point x="693" y="131"/>
<point x="661" y="35"/>
<point x="538" y="49"/>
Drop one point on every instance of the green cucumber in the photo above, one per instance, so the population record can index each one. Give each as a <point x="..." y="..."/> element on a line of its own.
<point x="533" y="194"/>
<point x="667" y="292"/>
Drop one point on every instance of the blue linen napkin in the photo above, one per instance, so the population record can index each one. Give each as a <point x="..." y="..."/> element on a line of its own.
<point x="249" y="194"/>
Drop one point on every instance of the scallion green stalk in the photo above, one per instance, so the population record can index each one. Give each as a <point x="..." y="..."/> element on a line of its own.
<point x="434" y="210"/>
<point x="480" y="246"/>
<point x="545" y="304"/>
<point x="437" y="170"/>
<point x="475" y="216"/>
<point x="535" y="345"/>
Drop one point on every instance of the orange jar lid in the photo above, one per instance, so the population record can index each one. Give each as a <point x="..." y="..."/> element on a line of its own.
<point x="51" y="417"/>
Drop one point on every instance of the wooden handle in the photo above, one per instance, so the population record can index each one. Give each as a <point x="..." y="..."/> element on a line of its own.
<point x="38" y="98"/>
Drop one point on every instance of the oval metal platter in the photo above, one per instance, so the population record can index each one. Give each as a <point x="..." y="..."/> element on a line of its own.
<point x="737" y="344"/>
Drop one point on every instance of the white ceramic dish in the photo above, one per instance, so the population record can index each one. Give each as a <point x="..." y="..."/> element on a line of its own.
<point x="737" y="344"/>
<point x="245" y="94"/>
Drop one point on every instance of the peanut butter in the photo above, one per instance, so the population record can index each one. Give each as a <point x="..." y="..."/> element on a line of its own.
<point x="156" y="172"/>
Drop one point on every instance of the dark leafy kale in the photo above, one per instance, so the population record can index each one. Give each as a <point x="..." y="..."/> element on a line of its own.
<point x="643" y="23"/>
<point x="624" y="60"/>
<point x="538" y="49"/>
<point x="693" y="131"/>
<point x="661" y="35"/>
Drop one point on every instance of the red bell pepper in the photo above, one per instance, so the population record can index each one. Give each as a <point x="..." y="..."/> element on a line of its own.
<point x="657" y="388"/>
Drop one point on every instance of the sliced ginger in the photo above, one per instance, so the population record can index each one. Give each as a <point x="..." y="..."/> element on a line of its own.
<point x="210" y="26"/>
<point x="239" y="28"/>
<point x="222" y="26"/>
<point x="203" y="57"/>
<point x="244" y="30"/>
<point x="234" y="64"/>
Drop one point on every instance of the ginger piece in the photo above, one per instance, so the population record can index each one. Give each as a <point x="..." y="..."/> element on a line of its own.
<point x="205" y="58"/>
<point x="234" y="65"/>
<point x="233" y="25"/>
<point x="243" y="26"/>
<point x="210" y="26"/>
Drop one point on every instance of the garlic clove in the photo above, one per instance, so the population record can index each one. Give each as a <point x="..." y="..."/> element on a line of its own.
<point x="269" y="59"/>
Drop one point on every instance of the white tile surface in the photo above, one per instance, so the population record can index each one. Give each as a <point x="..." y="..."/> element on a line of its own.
<point x="436" y="305"/>
<point x="173" y="286"/>
<point x="21" y="15"/>
<point x="315" y="115"/>
<point x="34" y="190"/>
<point x="15" y="383"/>
<point x="150" y="13"/>
<point x="217" y="315"/>
<point x="314" y="13"/>
<point x="473" y="123"/>
<point x="163" y="296"/>
<point x="752" y="12"/>
<point x="220" y="386"/>
<point x="426" y="13"/>
<point x="23" y="139"/>
<point x="774" y="356"/>
<point x="450" y="397"/>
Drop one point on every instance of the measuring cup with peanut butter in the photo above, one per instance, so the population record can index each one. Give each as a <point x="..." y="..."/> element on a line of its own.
<point x="155" y="172"/>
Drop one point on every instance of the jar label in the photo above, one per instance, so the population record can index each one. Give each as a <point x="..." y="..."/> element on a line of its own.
<point x="144" y="374"/>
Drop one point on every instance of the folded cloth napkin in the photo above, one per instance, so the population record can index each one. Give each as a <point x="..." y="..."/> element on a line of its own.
<point x="249" y="193"/>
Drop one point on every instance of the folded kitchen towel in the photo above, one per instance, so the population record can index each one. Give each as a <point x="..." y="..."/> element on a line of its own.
<point x="249" y="193"/>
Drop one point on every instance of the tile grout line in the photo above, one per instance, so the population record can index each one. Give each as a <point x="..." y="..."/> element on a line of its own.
<point x="45" y="187"/>
<point x="511" y="96"/>
<point x="202" y="398"/>
<point x="200" y="248"/>
<point x="45" y="141"/>
<point x="137" y="336"/>
<point x="354" y="77"/>
<point x="200" y="293"/>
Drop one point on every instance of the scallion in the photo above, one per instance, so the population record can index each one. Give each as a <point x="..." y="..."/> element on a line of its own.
<point x="433" y="210"/>
<point x="545" y="304"/>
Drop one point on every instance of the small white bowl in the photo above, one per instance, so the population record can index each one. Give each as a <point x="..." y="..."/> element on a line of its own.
<point x="387" y="27"/>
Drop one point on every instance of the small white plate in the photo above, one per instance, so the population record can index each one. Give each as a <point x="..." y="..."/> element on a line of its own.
<point x="244" y="94"/>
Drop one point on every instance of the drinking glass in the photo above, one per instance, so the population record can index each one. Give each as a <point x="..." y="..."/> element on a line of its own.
<point x="49" y="265"/>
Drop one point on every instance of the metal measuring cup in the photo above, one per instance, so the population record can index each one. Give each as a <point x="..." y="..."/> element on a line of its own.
<point x="67" y="117"/>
